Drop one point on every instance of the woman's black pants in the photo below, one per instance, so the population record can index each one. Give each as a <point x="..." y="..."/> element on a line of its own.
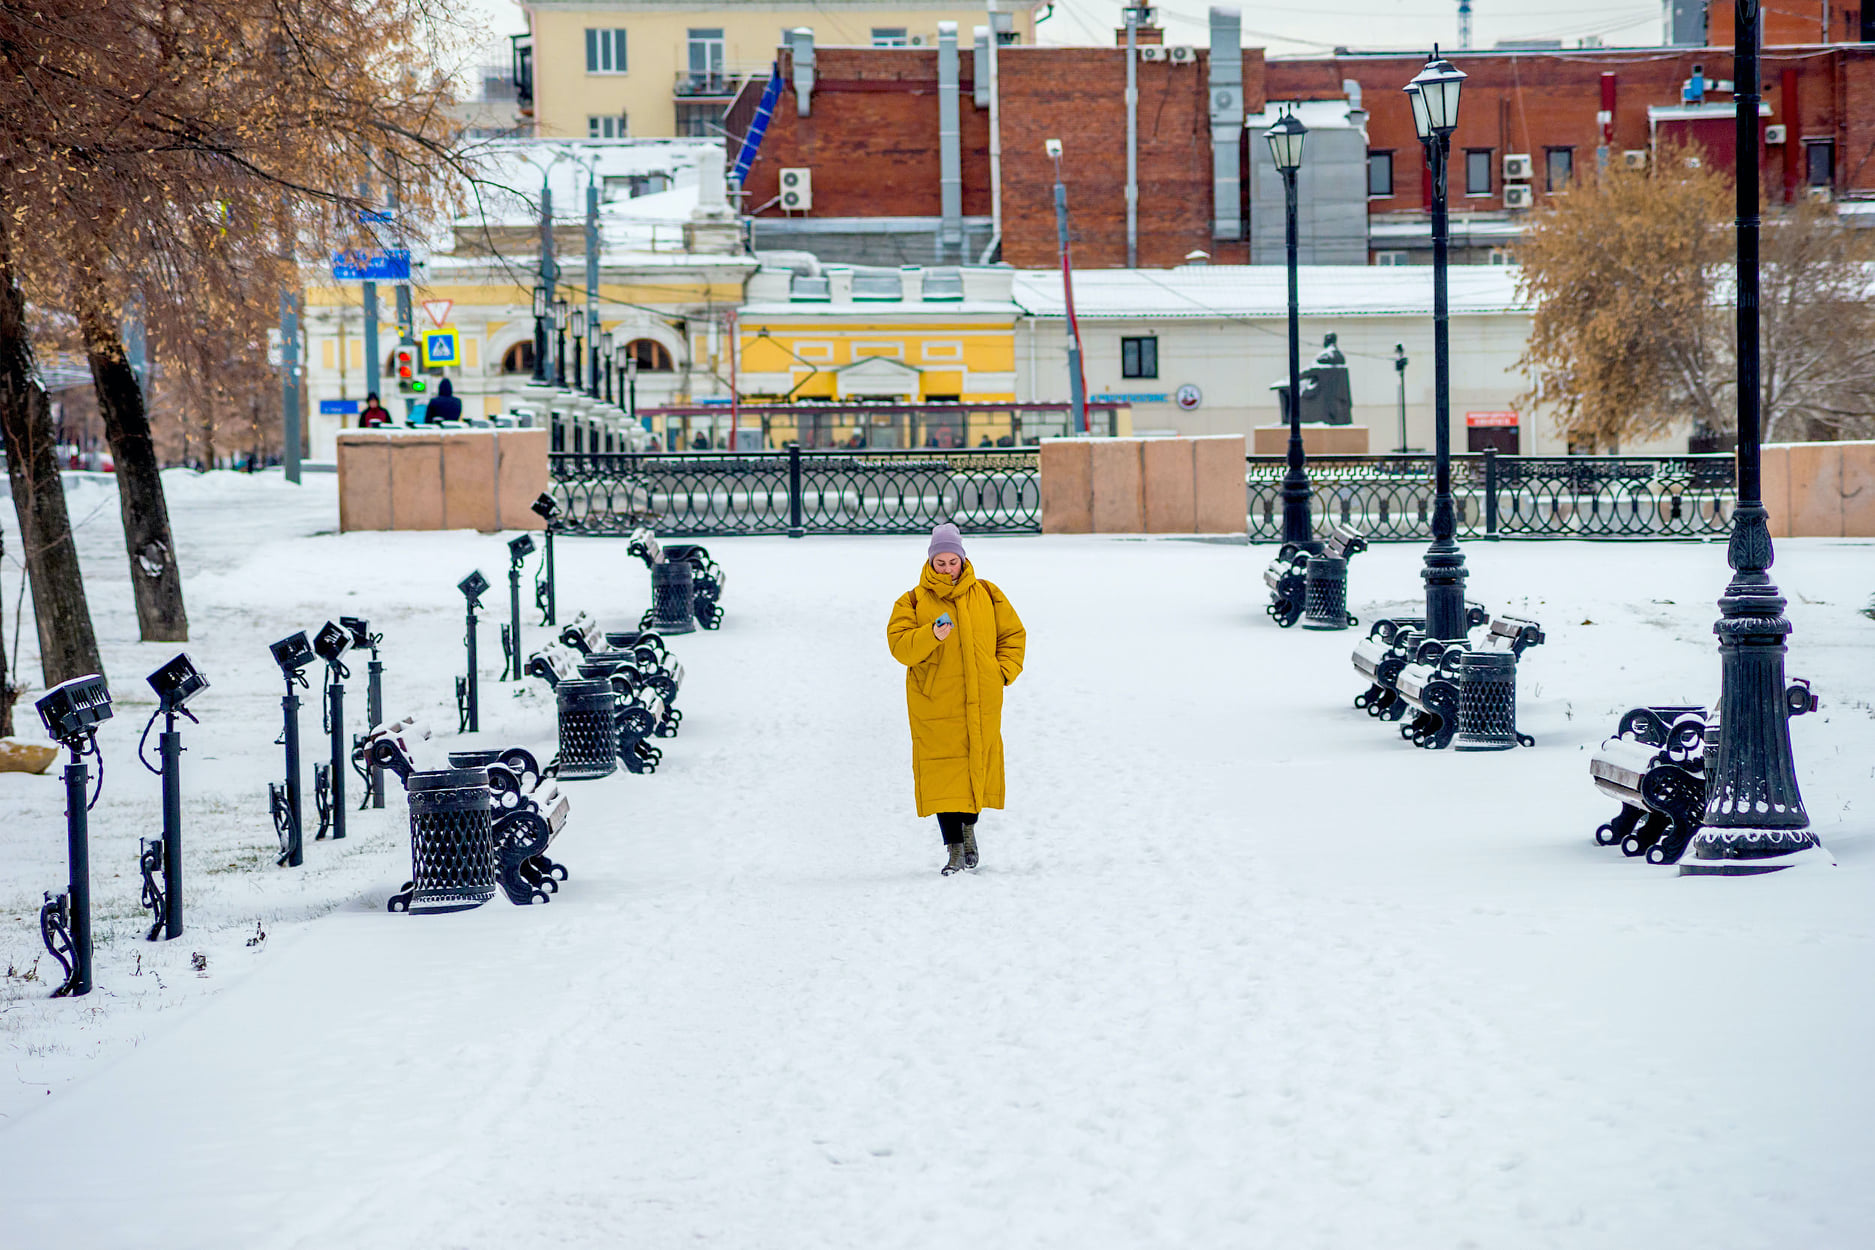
<point x="951" y="825"/>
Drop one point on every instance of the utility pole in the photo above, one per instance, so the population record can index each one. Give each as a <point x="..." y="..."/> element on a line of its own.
<point x="1132" y="138"/>
<point x="289" y="385"/>
<point x="592" y="275"/>
<point x="1077" y="381"/>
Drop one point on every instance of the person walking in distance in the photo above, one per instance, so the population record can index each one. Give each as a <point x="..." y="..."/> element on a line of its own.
<point x="961" y="643"/>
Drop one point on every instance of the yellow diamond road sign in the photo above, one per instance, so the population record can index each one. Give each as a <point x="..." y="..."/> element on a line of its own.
<point x="441" y="347"/>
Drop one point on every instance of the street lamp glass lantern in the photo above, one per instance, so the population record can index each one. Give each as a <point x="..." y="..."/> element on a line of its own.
<point x="579" y="323"/>
<point x="559" y="314"/>
<point x="605" y="343"/>
<point x="1435" y="100"/>
<point x="540" y="302"/>
<point x="1285" y="139"/>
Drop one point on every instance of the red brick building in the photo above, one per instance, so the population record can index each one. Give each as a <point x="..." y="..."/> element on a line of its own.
<point x="872" y="142"/>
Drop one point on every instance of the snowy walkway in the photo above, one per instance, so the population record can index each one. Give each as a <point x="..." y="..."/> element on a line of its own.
<point x="1241" y="968"/>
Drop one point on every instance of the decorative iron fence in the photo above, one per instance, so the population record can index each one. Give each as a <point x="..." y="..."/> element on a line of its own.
<point x="710" y="494"/>
<point x="1390" y="497"/>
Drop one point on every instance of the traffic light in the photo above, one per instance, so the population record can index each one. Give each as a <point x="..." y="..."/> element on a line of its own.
<point x="410" y="379"/>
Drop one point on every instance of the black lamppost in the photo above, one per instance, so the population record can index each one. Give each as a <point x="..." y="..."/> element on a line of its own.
<point x="540" y="336"/>
<point x="605" y="354"/>
<point x="1755" y="820"/>
<point x="559" y="342"/>
<point x="579" y="347"/>
<point x="1434" y="95"/>
<point x="1399" y="367"/>
<point x="631" y="383"/>
<point x="1285" y="139"/>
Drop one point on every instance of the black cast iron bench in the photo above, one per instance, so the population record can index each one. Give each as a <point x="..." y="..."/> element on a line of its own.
<point x="1654" y="766"/>
<point x="1287" y="579"/>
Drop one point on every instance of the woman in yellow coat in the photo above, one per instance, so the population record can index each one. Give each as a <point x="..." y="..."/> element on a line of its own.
<point x="960" y="643"/>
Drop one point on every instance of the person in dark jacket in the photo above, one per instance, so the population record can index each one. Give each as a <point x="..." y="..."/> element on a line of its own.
<point x="374" y="414"/>
<point x="445" y="407"/>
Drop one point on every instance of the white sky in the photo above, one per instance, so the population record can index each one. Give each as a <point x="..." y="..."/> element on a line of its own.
<point x="1296" y="28"/>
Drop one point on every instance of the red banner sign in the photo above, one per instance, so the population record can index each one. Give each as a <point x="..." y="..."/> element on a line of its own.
<point x="1476" y="419"/>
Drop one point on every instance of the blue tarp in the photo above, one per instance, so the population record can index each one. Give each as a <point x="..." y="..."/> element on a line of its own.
<point x="752" y="142"/>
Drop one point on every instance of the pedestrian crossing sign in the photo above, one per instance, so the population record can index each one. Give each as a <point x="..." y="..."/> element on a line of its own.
<point x="440" y="347"/>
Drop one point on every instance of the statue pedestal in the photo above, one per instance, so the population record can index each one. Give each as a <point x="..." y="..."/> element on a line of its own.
<point x="1317" y="440"/>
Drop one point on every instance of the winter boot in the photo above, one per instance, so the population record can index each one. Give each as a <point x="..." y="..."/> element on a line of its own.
<point x="970" y="845"/>
<point x="956" y="863"/>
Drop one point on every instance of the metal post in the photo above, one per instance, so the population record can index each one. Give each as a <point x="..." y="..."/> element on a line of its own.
<point x="1490" y="492"/>
<point x="335" y="709"/>
<point x="545" y="280"/>
<point x="1077" y="383"/>
<point x="169" y="750"/>
<point x="374" y="712"/>
<point x="549" y="607"/>
<point x="295" y="846"/>
<point x="1298" y="525"/>
<point x="1755" y="818"/>
<point x="78" y="855"/>
<point x="1444" y="571"/>
<point x="579" y="355"/>
<point x="473" y="711"/>
<point x="795" y="528"/>
<point x="374" y="363"/>
<point x="1132" y="136"/>
<point x="1399" y="368"/>
<point x="513" y="672"/>
<point x="289" y="386"/>
<point x="592" y="280"/>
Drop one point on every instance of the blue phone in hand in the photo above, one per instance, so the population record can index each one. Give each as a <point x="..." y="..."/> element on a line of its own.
<point x="944" y="620"/>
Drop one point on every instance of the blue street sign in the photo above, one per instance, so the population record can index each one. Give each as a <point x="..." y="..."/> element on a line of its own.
<point x="338" y="407"/>
<point x="379" y="217"/>
<point x="392" y="265"/>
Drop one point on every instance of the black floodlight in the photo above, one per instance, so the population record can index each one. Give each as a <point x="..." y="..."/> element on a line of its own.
<point x="71" y="708"/>
<point x="177" y="682"/>
<point x="473" y="587"/>
<point x="520" y="548"/>
<point x="292" y="654"/>
<point x="545" y="508"/>
<point x="330" y="642"/>
<point x="362" y="637"/>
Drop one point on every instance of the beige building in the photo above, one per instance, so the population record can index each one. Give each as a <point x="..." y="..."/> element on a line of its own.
<point x="606" y="69"/>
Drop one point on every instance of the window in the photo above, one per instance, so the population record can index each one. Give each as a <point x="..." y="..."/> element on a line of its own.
<point x="1380" y="173"/>
<point x="890" y="37"/>
<point x="606" y="127"/>
<point x="1139" y="358"/>
<point x="1819" y="163"/>
<point x="605" y="51"/>
<point x="706" y="62"/>
<point x="1560" y="165"/>
<point x="1392" y="258"/>
<point x="519" y="358"/>
<point x="652" y="356"/>
<point x="1478" y="171"/>
<point x="699" y="120"/>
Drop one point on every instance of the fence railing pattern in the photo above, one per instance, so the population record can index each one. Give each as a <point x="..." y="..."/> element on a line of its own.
<point x="710" y="494"/>
<point x="1390" y="497"/>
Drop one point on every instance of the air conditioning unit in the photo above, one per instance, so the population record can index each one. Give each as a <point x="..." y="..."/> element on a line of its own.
<point x="1519" y="197"/>
<point x="1152" y="52"/>
<point x="1774" y="135"/>
<point x="1821" y="195"/>
<point x="1635" y="158"/>
<point x="917" y="41"/>
<point x="1519" y="169"/>
<point x="797" y="190"/>
<point x="1181" y="54"/>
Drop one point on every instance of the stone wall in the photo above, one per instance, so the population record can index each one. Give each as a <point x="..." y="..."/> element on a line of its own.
<point x="1820" y="490"/>
<point x="1144" y="485"/>
<point x="441" y="480"/>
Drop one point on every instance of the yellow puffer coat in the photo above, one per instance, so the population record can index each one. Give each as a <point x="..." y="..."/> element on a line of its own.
<point x="954" y="688"/>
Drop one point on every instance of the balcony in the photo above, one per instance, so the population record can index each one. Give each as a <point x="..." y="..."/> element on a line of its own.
<point x="711" y="84"/>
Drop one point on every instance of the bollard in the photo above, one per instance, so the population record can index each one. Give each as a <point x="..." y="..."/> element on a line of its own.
<point x="71" y="712"/>
<point x="452" y="843"/>
<point x="588" y="745"/>
<point x="329" y="644"/>
<point x="1487" y="703"/>
<point x="673" y="598"/>
<point x="1325" y="597"/>
<point x="292" y="653"/>
<point x="175" y="684"/>
<point x="468" y="700"/>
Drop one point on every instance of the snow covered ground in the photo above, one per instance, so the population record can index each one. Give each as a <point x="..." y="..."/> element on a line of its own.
<point x="1240" y="968"/>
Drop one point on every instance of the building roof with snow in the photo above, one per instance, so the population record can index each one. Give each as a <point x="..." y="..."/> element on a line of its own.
<point x="1257" y="291"/>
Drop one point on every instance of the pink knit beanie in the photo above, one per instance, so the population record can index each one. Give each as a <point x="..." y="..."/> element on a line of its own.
<point x="946" y="538"/>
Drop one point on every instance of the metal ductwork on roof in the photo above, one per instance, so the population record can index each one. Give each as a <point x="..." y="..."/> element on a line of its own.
<point x="980" y="66"/>
<point x="801" y="51"/>
<point x="950" y="145"/>
<point x="1226" y="89"/>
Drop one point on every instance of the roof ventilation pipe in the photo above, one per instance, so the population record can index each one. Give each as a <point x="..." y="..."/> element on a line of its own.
<point x="950" y="147"/>
<point x="1226" y="84"/>
<point x="801" y="51"/>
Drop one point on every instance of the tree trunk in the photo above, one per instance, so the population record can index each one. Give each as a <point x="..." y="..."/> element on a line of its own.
<point x="67" y="646"/>
<point x="154" y="575"/>
<point x="8" y="694"/>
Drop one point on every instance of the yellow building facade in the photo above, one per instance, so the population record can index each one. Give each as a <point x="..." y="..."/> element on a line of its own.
<point x="659" y="68"/>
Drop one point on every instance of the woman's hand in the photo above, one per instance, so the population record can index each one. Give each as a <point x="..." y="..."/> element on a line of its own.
<point x="942" y="629"/>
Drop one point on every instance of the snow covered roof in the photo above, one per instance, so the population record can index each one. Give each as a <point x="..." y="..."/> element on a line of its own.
<point x="1201" y="291"/>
